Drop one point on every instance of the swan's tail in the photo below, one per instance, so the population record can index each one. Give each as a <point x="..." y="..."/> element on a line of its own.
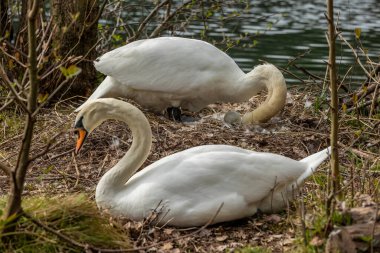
<point x="103" y="90"/>
<point x="313" y="161"/>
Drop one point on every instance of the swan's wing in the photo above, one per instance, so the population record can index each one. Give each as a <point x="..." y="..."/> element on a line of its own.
<point x="219" y="172"/>
<point x="170" y="65"/>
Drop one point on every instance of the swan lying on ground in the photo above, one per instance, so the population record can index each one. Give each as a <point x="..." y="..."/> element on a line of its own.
<point x="191" y="184"/>
<point x="168" y="73"/>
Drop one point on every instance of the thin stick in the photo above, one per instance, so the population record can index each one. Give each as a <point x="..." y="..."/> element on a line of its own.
<point x="146" y="20"/>
<point x="335" y="176"/>
<point x="51" y="96"/>
<point x="76" y="170"/>
<point x="167" y="19"/>
<point x="373" y="228"/>
<point x="9" y="85"/>
<point x="99" y="14"/>
<point x="13" y="57"/>
<point x="357" y="58"/>
<point x="47" y="147"/>
<point x="374" y="101"/>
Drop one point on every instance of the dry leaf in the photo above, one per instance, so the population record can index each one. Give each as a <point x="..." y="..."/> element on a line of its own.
<point x="221" y="238"/>
<point x="358" y="31"/>
<point x="275" y="218"/>
<point x="167" y="246"/>
<point x="316" y="241"/>
<point x="168" y="231"/>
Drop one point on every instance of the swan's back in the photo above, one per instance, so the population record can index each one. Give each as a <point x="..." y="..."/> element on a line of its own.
<point x="196" y="181"/>
<point x="169" y="64"/>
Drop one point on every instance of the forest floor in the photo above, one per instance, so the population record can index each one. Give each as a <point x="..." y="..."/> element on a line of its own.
<point x="301" y="129"/>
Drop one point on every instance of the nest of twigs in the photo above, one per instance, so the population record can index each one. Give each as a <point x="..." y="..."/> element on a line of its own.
<point x="299" y="130"/>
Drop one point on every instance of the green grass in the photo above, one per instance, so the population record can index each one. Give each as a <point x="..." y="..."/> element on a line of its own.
<point x="255" y="249"/>
<point x="11" y="122"/>
<point x="74" y="216"/>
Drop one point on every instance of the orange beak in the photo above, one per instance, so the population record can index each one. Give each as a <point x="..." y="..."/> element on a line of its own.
<point x="82" y="134"/>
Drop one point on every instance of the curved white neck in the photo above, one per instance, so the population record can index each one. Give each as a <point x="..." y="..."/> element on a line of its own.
<point x="270" y="78"/>
<point x="118" y="175"/>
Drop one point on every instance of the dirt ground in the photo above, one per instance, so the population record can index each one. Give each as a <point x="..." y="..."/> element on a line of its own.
<point x="296" y="132"/>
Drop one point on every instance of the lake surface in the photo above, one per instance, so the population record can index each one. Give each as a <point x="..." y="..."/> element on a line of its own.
<point x="291" y="28"/>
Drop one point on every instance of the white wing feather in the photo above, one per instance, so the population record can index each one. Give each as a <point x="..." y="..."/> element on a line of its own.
<point x="201" y="178"/>
<point x="148" y="65"/>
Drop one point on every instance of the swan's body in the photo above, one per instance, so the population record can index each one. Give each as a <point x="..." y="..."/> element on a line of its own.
<point x="178" y="72"/>
<point x="191" y="184"/>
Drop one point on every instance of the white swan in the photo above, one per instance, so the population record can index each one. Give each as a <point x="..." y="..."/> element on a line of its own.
<point x="193" y="183"/>
<point x="177" y="72"/>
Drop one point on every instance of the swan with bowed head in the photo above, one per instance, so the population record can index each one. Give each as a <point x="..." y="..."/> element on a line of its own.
<point x="192" y="184"/>
<point x="169" y="73"/>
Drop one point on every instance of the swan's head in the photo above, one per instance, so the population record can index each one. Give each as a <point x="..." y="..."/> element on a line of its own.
<point x="91" y="116"/>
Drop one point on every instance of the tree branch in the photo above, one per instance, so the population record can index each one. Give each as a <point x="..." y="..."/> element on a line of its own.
<point x="334" y="161"/>
<point x="33" y="10"/>
<point x="146" y="20"/>
<point x="13" y="57"/>
<point x="14" y="48"/>
<point x="96" y="19"/>
<point x="50" y="96"/>
<point x="167" y="19"/>
<point x="9" y="85"/>
<point x="358" y="59"/>
<point x="46" y="149"/>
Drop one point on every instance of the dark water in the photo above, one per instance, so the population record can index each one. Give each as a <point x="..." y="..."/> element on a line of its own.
<point x="300" y="26"/>
<point x="290" y="28"/>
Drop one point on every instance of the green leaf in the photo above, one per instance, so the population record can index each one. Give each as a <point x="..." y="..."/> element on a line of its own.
<point x="71" y="71"/>
<point x="117" y="37"/>
<point x="344" y="107"/>
<point x="355" y="98"/>
<point x="358" y="31"/>
<point x="48" y="169"/>
<point x="365" y="238"/>
<point x="42" y="97"/>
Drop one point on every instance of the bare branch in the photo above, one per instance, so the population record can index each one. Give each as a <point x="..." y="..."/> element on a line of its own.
<point x="46" y="149"/>
<point x="33" y="10"/>
<point x="14" y="48"/>
<point x="306" y="72"/>
<point x="167" y="19"/>
<point x="374" y="101"/>
<point x="99" y="14"/>
<point x="50" y="97"/>
<point x="334" y="161"/>
<point x="44" y="50"/>
<point x="358" y="59"/>
<point x="6" y="104"/>
<point x="9" y="85"/>
<point x="146" y="20"/>
<point x="13" y="57"/>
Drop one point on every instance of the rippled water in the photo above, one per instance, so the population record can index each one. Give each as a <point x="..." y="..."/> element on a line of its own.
<point x="298" y="26"/>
